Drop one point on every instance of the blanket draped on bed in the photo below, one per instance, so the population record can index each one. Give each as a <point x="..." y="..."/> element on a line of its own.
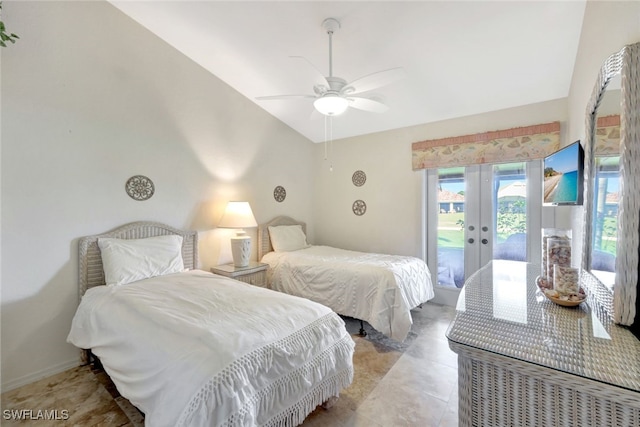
<point x="381" y="289"/>
<point x="199" y="349"/>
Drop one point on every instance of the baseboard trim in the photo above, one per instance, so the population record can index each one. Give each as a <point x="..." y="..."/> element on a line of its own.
<point x="36" y="376"/>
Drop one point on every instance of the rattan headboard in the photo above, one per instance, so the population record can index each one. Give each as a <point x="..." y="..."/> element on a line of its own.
<point x="264" y="242"/>
<point x="90" y="268"/>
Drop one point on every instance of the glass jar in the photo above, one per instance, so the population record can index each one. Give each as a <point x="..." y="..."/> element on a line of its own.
<point x="556" y="250"/>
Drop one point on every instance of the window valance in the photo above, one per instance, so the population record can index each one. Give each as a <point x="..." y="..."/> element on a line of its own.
<point x="510" y="145"/>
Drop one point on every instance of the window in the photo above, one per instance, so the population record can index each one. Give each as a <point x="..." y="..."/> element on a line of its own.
<point x="605" y="217"/>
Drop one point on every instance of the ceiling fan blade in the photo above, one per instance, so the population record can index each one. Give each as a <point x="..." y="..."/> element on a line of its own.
<point x="374" y="81"/>
<point x="273" y="97"/>
<point x="320" y="78"/>
<point x="367" y="104"/>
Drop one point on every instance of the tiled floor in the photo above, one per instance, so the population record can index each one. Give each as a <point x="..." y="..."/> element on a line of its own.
<point x="395" y="384"/>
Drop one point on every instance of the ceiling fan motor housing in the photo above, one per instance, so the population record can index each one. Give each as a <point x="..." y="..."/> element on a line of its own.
<point x="336" y="84"/>
<point x="331" y="25"/>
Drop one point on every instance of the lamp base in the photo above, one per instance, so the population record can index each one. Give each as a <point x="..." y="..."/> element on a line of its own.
<point x="241" y="250"/>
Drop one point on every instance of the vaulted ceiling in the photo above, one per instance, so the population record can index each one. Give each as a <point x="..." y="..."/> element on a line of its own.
<point x="460" y="58"/>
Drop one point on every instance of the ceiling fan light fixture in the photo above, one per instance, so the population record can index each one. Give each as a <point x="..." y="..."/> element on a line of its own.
<point x="331" y="105"/>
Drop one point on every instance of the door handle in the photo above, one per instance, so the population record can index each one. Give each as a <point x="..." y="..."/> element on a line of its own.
<point x="470" y="240"/>
<point x="485" y="241"/>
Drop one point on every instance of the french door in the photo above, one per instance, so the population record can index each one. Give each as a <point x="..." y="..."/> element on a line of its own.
<point x="479" y="213"/>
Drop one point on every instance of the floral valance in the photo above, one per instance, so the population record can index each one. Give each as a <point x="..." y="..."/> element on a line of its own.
<point x="608" y="136"/>
<point x="510" y="145"/>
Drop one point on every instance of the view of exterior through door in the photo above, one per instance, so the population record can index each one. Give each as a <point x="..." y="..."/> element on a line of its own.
<point x="481" y="213"/>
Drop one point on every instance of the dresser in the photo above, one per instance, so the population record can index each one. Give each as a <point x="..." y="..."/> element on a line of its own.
<point x="525" y="361"/>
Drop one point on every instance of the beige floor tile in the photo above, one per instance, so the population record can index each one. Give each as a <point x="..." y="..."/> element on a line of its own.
<point x="360" y="419"/>
<point x="74" y="398"/>
<point x="415" y="392"/>
<point x="450" y="417"/>
<point x="435" y="349"/>
<point x="35" y="390"/>
<point x="412" y="377"/>
<point x="394" y="408"/>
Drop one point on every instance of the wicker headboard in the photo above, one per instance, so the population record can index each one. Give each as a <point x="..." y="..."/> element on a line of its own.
<point x="264" y="242"/>
<point x="90" y="268"/>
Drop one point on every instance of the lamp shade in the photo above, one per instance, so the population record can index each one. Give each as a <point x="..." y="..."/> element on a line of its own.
<point x="331" y="104"/>
<point x="238" y="215"/>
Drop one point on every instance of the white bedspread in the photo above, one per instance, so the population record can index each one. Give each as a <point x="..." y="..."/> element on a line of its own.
<point x="381" y="289"/>
<point x="197" y="349"/>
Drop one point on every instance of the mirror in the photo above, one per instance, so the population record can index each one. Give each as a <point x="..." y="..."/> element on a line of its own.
<point x="618" y="293"/>
<point x="606" y="185"/>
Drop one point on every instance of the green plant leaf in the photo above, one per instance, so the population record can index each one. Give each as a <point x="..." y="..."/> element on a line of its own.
<point x="3" y="33"/>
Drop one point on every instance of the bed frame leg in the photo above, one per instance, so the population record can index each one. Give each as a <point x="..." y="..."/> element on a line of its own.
<point x="330" y="402"/>
<point x="363" y="333"/>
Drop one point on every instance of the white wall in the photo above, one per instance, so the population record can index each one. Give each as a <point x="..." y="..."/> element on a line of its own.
<point x="89" y="99"/>
<point x="393" y="191"/>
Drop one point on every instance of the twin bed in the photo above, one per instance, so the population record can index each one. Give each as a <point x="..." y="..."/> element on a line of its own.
<point x="380" y="289"/>
<point x="190" y="348"/>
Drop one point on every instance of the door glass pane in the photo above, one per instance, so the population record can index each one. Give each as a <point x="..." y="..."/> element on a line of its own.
<point x="451" y="188"/>
<point x="605" y="215"/>
<point x="510" y="211"/>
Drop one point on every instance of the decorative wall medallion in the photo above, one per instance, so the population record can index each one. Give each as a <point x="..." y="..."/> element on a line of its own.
<point x="359" y="178"/>
<point x="139" y="187"/>
<point x="359" y="207"/>
<point x="279" y="193"/>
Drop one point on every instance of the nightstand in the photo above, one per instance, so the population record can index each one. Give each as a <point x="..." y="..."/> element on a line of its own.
<point x="254" y="274"/>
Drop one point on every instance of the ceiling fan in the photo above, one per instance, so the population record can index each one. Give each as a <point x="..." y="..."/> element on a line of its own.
<point x="335" y="95"/>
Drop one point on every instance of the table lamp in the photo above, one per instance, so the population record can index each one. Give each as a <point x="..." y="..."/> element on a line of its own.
<point x="239" y="215"/>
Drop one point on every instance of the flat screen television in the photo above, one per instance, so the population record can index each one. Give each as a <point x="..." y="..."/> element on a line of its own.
<point x="563" y="178"/>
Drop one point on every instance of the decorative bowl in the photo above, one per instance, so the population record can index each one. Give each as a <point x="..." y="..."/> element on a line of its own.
<point x="552" y="295"/>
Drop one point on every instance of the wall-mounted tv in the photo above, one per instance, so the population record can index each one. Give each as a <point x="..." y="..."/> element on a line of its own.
<point x="563" y="178"/>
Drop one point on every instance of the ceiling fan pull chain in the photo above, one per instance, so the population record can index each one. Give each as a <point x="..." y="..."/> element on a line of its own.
<point x="330" y="124"/>
<point x="328" y="141"/>
<point x="330" y="121"/>
<point x="325" y="137"/>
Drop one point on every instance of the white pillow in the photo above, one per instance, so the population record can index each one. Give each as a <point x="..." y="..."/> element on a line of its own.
<point x="285" y="238"/>
<point x="128" y="260"/>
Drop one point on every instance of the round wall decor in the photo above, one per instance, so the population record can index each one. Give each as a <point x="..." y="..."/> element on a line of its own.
<point x="359" y="178"/>
<point x="139" y="187"/>
<point x="279" y="193"/>
<point x="359" y="207"/>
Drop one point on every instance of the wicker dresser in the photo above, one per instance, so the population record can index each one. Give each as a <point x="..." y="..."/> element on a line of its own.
<point x="525" y="361"/>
